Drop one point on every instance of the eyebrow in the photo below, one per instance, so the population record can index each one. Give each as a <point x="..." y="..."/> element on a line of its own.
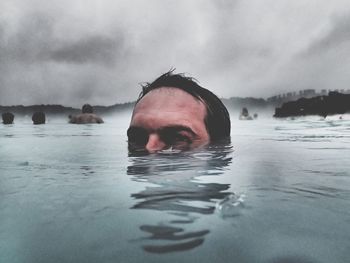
<point x="178" y="128"/>
<point x="135" y="129"/>
<point x="166" y="128"/>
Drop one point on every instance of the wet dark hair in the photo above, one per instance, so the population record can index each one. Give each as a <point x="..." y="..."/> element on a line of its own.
<point x="87" y="108"/>
<point x="38" y="117"/>
<point x="7" y="118"/>
<point x="217" y="120"/>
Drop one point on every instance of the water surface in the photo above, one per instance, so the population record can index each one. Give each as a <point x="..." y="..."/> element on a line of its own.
<point x="280" y="192"/>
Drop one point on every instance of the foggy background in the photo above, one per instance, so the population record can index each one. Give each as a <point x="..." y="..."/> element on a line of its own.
<point x="98" y="51"/>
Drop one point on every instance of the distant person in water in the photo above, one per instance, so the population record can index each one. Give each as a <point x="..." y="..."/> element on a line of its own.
<point x="38" y="118"/>
<point x="7" y="118"/>
<point x="87" y="116"/>
<point x="245" y="115"/>
<point x="174" y="112"/>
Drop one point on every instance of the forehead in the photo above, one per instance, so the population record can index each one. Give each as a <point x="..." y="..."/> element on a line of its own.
<point x="171" y="105"/>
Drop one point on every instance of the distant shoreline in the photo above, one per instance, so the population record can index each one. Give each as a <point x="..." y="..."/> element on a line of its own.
<point x="234" y="103"/>
<point x="55" y="109"/>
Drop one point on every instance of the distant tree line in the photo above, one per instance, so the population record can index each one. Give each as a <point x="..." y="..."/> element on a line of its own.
<point x="62" y="110"/>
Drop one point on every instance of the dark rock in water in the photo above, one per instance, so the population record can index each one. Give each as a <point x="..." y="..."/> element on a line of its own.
<point x="334" y="103"/>
<point x="7" y="118"/>
<point x="38" y="117"/>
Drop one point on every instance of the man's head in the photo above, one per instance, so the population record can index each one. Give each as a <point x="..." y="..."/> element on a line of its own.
<point x="174" y="111"/>
<point x="87" y="108"/>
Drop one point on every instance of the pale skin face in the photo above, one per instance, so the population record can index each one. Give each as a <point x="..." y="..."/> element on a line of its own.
<point x="168" y="117"/>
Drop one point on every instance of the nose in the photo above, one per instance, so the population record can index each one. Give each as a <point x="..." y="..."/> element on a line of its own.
<point x="154" y="143"/>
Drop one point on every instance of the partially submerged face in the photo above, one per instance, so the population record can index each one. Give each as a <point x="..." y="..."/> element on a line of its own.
<point x="168" y="118"/>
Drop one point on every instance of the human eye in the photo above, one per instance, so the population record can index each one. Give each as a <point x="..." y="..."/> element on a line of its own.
<point x="137" y="136"/>
<point x="179" y="137"/>
<point x="176" y="139"/>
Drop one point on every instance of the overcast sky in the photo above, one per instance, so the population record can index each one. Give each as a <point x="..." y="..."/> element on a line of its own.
<point x="98" y="51"/>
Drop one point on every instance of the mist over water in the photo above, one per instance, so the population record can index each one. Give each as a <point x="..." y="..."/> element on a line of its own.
<point x="279" y="192"/>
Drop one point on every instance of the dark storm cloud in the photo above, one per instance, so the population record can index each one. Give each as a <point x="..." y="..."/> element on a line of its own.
<point x="323" y="63"/>
<point x="337" y="36"/>
<point x="32" y="40"/>
<point x="39" y="64"/>
<point x="73" y="51"/>
<point x="36" y="43"/>
<point x="95" y="49"/>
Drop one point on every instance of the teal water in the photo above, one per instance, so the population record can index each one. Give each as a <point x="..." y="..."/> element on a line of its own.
<point x="279" y="193"/>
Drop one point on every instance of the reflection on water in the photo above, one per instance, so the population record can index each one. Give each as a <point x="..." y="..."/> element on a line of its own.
<point x="74" y="195"/>
<point x="178" y="192"/>
<point x="87" y="170"/>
